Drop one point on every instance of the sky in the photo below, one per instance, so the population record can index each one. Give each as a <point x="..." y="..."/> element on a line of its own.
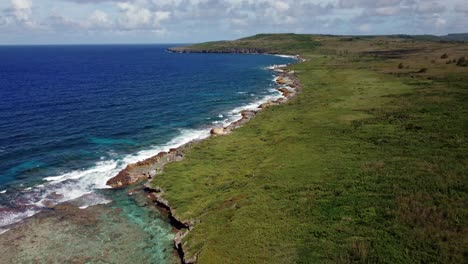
<point x="190" y="21"/>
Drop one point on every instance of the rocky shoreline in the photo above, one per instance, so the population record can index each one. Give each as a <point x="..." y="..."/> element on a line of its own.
<point x="151" y="167"/>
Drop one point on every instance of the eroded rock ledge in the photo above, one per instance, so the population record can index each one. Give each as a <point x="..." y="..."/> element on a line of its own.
<point x="182" y="227"/>
<point x="147" y="169"/>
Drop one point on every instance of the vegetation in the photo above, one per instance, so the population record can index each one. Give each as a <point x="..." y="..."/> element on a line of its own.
<point x="261" y="43"/>
<point x="462" y="62"/>
<point x="366" y="165"/>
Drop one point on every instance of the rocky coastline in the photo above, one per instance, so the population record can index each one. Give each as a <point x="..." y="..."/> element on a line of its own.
<point x="289" y="86"/>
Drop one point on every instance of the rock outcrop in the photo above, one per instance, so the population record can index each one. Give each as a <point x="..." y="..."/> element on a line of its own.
<point x="145" y="169"/>
<point x="217" y="131"/>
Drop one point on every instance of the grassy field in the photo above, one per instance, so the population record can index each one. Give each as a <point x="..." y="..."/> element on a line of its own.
<point x="368" y="164"/>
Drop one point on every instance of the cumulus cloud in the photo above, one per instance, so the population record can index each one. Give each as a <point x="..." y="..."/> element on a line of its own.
<point x="138" y="17"/>
<point x="22" y="11"/>
<point x="216" y="19"/>
<point x="99" y="19"/>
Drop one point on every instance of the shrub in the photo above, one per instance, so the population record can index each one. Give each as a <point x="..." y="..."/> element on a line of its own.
<point x="400" y="66"/>
<point x="444" y="56"/>
<point x="422" y="70"/>
<point x="462" y="62"/>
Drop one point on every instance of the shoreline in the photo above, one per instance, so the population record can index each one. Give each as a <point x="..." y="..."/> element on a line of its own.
<point x="51" y="192"/>
<point x="146" y="170"/>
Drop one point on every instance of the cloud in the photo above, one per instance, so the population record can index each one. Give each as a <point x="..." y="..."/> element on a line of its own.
<point x="387" y="10"/>
<point x="198" y="20"/>
<point x="99" y="20"/>
<point x="462" y="8"/>
<point x="138" y="17"/>
<point x="22" y="11"/>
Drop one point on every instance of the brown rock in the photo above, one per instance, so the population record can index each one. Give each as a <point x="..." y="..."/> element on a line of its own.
<point x="247" y="114"/>
<point x="280" y="80"/>
<point x="217" y="131"/>
<point x="266" y="105"/>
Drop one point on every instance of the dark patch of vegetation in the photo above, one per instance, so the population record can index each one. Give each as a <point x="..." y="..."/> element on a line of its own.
<point x="462" y="61"/>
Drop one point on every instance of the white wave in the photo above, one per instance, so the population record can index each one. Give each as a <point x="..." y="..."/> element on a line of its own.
<point x="10" y="217"/>
<point x="79" y="186"/>
<point x="4" y="191"/>
<point x="276" y="66"/>
<point x="287" y="56"/>
<point x="91" y="200"/>
<point x="186" y="136"/>
<point x="76" y="184"/>
<point x="100" y="167"/>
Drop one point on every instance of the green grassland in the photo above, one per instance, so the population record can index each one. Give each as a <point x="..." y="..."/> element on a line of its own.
<point x="368" y="164"/>
<point x="261" y="43"/>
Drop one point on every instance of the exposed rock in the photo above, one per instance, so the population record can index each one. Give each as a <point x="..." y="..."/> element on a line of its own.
<point x="281" y="80"/>
<point x="280" y="101"/>
<point x="247" y="114"/>
<point x="124" y="178"/>
<point x="145" y="169"/>
<point x="217" y="131"/>
<point x="267" y="104"/>
<point x="285" y="91"/>
<point x="151" y="173"/>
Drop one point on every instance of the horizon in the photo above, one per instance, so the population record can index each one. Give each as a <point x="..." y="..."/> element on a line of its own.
<point x="211" y="40"/>
<point x="50" y="22"/>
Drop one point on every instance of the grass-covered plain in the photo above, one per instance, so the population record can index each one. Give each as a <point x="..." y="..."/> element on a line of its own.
<point x="368" y="164"/>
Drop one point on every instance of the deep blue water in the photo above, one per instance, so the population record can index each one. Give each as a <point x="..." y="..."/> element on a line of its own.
<point x="76" y="115"/>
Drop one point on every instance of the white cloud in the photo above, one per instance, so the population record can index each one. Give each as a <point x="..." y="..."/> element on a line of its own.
<point x="365" y="28"/>
<point x="215" y="19"/>
<point x="439" y="22"/>
<point x="387" y="10"/>
<point x="22" y="11"/>
<point x="98" y="19"/>
<point x="280" y="6"/>
<point x="138" y="17"/>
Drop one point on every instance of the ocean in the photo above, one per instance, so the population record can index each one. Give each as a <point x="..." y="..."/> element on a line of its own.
<point x="71" y="117"/>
